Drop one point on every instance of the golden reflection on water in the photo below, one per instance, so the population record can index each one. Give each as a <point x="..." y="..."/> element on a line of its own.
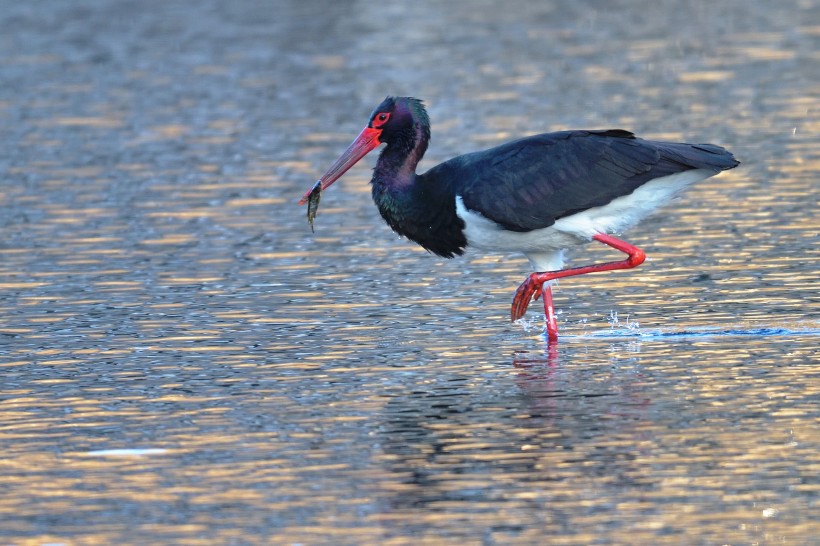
<point x="349" y="388"/>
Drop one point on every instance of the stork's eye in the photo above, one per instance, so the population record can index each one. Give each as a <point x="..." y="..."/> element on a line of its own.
<point x="380" y="119"/>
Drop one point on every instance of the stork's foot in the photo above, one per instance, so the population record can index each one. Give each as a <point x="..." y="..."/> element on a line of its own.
<point x="530" y="289"/>
<point x="534" y="286"/>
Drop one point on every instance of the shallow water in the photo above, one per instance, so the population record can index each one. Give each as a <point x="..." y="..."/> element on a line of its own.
<point x="183" y="361"/>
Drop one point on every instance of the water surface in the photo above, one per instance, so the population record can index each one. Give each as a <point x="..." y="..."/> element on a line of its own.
<point x="184" y="362"/>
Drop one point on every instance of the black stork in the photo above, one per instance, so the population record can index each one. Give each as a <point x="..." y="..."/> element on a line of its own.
<point x="537" y="195"/>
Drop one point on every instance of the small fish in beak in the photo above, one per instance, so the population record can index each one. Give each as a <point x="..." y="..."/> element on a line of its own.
<point x="313" y="203"/>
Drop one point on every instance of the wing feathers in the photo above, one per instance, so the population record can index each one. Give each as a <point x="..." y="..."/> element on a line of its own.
<point x="529" y="183"/>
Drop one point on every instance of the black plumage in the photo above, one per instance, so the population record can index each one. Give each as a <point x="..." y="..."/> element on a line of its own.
<point x="530" y="183"/>
<point x="523" y="185"/>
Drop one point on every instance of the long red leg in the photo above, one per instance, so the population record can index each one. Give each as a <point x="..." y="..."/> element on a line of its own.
<point x="534" y="285"/>
<point x="549" y="313"/>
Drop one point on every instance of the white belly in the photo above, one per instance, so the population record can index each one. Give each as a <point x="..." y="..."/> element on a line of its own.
<point x="544" y="247"/>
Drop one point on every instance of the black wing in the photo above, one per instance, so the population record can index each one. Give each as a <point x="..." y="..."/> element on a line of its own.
<point x="530" y="183"/>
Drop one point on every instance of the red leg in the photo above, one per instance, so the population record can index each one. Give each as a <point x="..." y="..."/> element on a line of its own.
<point x="549" y="313"/>
<point x="533" y="286"/>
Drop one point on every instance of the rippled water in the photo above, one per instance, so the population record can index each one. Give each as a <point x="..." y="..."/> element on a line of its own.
<point x="183" y="361"/>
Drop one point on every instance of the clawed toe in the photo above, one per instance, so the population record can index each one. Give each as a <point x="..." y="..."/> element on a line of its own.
<point x="530" y="289"/>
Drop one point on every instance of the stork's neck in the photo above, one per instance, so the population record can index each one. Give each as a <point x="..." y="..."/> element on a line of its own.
<point x="397" y="163"/>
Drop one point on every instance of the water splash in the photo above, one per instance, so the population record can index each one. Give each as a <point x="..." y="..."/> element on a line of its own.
<point x="615" y="323"/>
<point x="530" y="324"/>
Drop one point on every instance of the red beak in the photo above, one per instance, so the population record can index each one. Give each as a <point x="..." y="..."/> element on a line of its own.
<point x="364" y="143"/>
